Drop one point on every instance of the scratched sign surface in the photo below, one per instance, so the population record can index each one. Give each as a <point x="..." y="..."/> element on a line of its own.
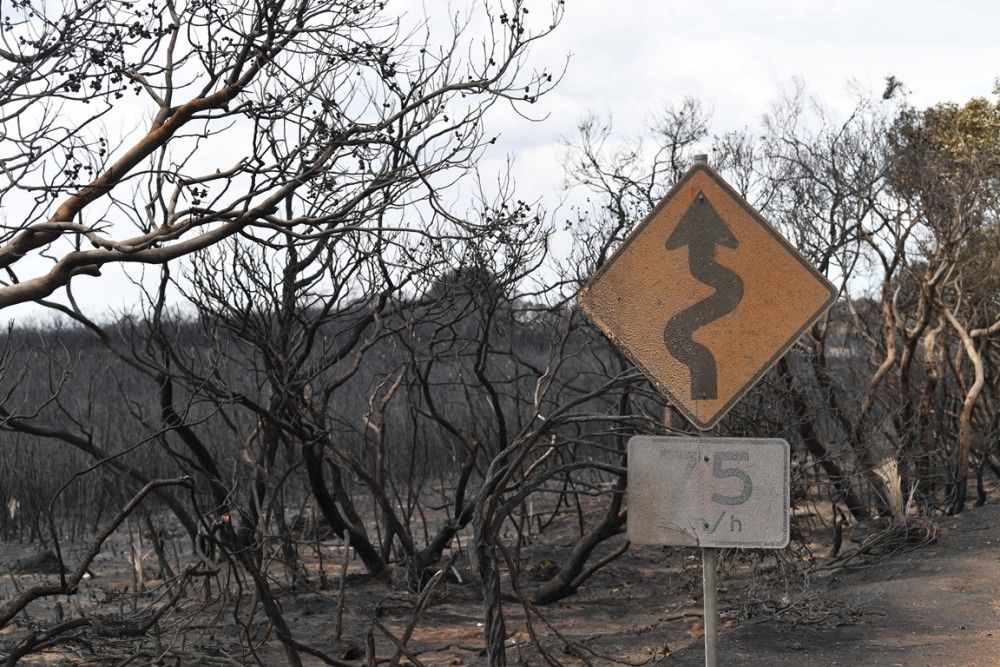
<point x="705" y="296"/>
<point x="708" y="492"/>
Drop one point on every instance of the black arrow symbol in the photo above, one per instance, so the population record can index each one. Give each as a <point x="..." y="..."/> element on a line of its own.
<point x="701" y="229"/>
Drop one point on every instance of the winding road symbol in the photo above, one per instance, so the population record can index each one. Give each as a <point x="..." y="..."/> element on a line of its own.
<point x="704" y="296"/>
<point x="701" y="229"/>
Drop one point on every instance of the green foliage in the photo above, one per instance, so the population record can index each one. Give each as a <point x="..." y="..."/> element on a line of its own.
<point x="947" y="158"/>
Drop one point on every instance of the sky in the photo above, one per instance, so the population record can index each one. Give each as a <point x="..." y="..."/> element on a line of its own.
<point x="629" y="58"/>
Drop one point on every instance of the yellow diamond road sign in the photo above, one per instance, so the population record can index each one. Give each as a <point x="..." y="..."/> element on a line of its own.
<point x="705" y="296"/>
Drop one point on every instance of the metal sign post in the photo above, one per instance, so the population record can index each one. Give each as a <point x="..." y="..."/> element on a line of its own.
<point x="710" y="595"/>
<point x="709" y="555"/>
<point x="711" y="493"/>
<point x="705" y="296"/>
<point x="710" y="599"/>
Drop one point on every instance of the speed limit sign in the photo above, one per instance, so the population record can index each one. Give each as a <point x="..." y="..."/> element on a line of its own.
<point x="708" y="492"/>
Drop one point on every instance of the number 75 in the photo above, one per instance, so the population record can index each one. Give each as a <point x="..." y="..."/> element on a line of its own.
<point x="719" y="471"/>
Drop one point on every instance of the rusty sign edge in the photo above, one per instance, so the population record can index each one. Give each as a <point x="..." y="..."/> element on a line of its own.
<point x="755" y="215"/>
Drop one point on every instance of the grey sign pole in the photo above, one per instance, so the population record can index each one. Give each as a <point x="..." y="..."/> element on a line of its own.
<point x="709" y="493"/>
<point x="710" y="596"/>
<point x="710" y="567"/>
<point x="700" y="491"/>
<point x="709" y="571"/>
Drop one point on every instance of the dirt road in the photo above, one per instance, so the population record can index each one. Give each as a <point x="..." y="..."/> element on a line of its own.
<point x="937" y="606"/>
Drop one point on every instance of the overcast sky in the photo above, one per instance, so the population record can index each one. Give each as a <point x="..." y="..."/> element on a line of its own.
<point x="630" y="57"/>
<point x="627" y="58"/>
